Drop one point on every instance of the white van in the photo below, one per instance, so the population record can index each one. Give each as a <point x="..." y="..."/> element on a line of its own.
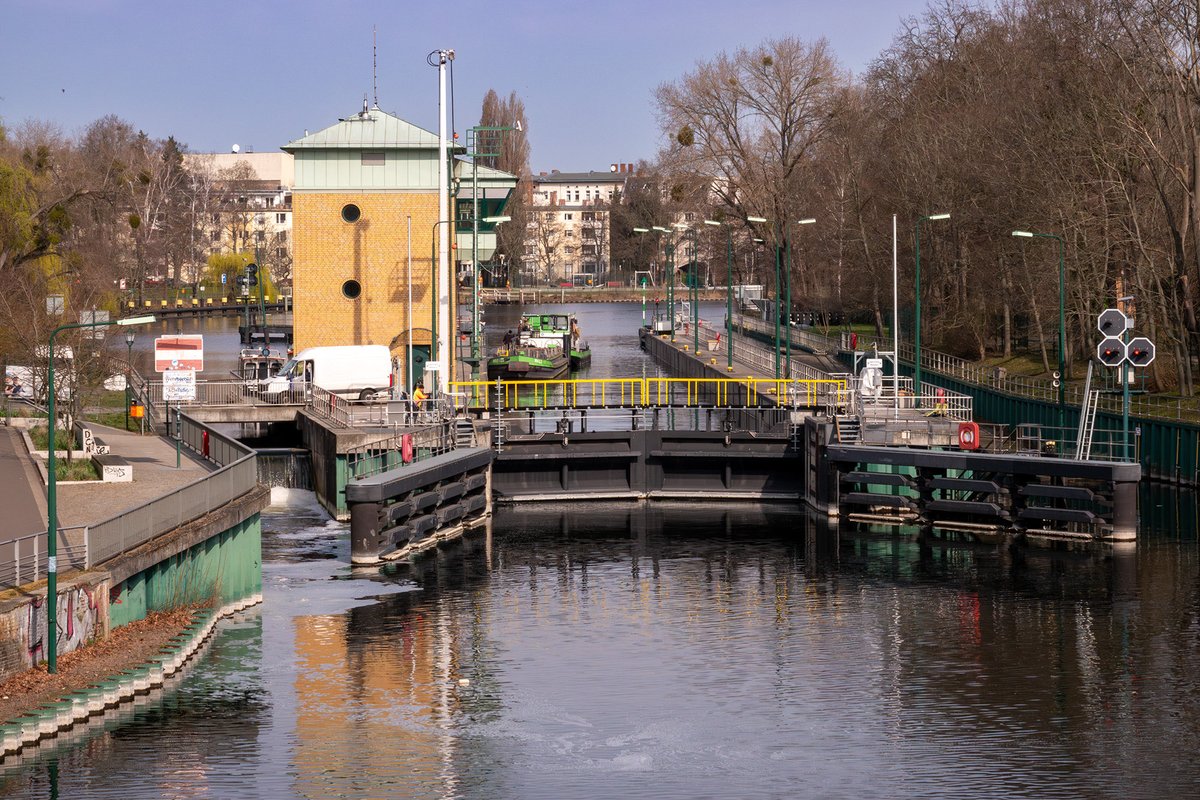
<point x="349" y="370"/>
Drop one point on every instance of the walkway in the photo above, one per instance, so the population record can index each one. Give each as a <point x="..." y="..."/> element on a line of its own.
<point x="154" y="475"/>
<point x="22" y="495"/>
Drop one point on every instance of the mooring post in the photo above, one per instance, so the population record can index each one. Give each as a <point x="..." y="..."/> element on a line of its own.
<point x="1125" y="496"/>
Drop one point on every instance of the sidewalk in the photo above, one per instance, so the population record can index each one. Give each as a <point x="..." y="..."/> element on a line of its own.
<point x="22" y="495"/>
<point x="154" y="475"/>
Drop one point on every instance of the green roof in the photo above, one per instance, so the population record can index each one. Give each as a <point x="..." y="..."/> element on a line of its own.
<point x="370" y="129"/>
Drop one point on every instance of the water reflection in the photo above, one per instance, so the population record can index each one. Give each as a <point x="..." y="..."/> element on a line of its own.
<point x="679" y="651"/>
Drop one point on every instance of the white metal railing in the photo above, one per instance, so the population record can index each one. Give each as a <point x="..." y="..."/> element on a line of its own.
<point x="236" y="474"/>
<point x="759" y="357"/>
<point x="23" y="559"/>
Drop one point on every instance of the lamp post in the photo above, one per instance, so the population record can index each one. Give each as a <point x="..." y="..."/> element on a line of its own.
<point x="52" y="490"/>
<point x="917" y="336"/>
<point x="668" y="276"/>
<point x="728" y="293"/>
<point x="1062" y="317"/>
<point x="763" y="220"/>
<point x="693" y="289"/>
<point x="475" y="155"/>
<point x="129" y="337"/>
<point x="476" y="327"/>
<point x="806" y="221"/>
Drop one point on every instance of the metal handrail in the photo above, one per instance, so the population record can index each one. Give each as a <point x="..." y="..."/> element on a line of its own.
<point x="236" y="474"/>
<point x="646" y="392"/>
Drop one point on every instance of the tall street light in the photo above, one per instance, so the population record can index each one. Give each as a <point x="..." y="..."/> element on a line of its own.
<point x="668" y="276"/>
<point x="129" y="337"/>
<point x="764" y="220"/>
<point x="693" y="288"/>
<point x="498" y="131"/>
<point x="1062" y="318"/>
<point x="728" y="293"/>
<point x="52" y="491"/>
<point x="476" y="326"/>
<point x="788" y="329"/>
<point x="917" y="342"/>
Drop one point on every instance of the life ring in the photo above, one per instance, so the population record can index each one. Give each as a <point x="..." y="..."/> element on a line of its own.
<point x="406" y="448"/>
<point x="968" y="436"/>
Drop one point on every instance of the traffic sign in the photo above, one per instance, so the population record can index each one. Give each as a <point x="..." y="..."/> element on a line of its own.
<point x="1112" y="322"/>
<point x="224" y="278"/>
<point x="179" y="352"/>
<point x="179" y="384"/>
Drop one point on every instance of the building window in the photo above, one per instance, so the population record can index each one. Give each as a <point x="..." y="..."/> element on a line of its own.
<point x="351" y="213"/>
<point x="589" y="216"/>
<point x="688" y="217"/>
<point x="260" y="236"/>
<point x="549" y="216"/>
<point x="280" y="219"/>
<point x="568" y="217"/>
<point x="570" y="234"/>
<point x="373" y="159"/>
<point x="281" y="252"/>
<point x="569" y="250"/>
<point x="351" y="289"/>
<point x="216" y="237"/>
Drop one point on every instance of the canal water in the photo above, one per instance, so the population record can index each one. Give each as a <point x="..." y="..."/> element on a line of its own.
<point x="677" y="651"/>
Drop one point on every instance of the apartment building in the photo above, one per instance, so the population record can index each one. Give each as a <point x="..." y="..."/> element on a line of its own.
<point x="569" y="239"/>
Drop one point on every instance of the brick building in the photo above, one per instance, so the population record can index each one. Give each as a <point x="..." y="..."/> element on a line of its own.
<point x="357" y="185"/>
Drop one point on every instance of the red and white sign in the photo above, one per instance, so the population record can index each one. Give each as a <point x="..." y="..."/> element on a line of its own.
<point x="179" y="352"/>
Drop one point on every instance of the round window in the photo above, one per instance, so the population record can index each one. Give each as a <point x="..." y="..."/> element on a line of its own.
<point x="351" y="212"/>
<point x="352" y="289"/>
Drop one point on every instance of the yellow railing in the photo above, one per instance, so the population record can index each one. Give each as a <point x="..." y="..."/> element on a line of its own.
<point x="645" y="392"/>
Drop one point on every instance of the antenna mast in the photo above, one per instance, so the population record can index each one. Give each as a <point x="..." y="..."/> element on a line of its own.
<point x="374" y="71"/>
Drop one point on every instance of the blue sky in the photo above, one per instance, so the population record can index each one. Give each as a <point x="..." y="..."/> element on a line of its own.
<point x="215" y="73"/>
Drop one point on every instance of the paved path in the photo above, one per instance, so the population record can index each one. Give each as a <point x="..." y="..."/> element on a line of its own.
<point x="22" y="494"/>
<point x="154" y="475"/>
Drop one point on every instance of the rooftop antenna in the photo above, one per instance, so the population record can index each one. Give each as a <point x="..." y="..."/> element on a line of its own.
<point x="374" y="71"/>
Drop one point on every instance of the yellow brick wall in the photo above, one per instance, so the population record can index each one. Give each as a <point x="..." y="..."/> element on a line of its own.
<point x="328" y="251"/>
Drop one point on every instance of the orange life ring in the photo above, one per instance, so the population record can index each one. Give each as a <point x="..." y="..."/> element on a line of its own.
<point x="406" y="448"/>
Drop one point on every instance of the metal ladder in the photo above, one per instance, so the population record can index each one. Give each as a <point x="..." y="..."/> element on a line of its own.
<point x="1087" y="418"/>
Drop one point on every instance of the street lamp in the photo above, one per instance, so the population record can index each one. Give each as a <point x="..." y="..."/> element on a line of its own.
<point x="807" y="221"/>
<point x="435" y="301"/>
<point x="129" y="337"/>
<point x="694" y="288"/>
<point x="475" y="155"/>
<point x="52" y="491"/>
<point x="917" y="342"/>
<point x="728" y="293"/>
<point x="476" y="328"/>
<point x="778" y="342"/>
<point x="1062" y="318"/>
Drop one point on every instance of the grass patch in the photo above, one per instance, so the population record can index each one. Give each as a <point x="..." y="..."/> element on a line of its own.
<point x="114" y="419"/>
<point x="41" y="438"/>
<point x="78" y="469"/>
<point x="105" y="399"/>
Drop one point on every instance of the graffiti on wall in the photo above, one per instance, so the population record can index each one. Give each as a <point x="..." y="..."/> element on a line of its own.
<point x="78" y="622"/>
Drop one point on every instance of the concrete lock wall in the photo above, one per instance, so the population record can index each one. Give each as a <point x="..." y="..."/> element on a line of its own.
<point x="214" y="561"/>
<point x="220" y="570"/>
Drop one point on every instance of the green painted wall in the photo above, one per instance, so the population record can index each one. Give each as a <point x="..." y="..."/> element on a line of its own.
<point x="225" y="568"/>
<point x="338" y="170"/>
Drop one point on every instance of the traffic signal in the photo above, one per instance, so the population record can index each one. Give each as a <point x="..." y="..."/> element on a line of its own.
<point x="1111" y="352"/>
<point x="1112" y="322"/>
<point x="1140" y="351"/>
<point x="252" y="274"/>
